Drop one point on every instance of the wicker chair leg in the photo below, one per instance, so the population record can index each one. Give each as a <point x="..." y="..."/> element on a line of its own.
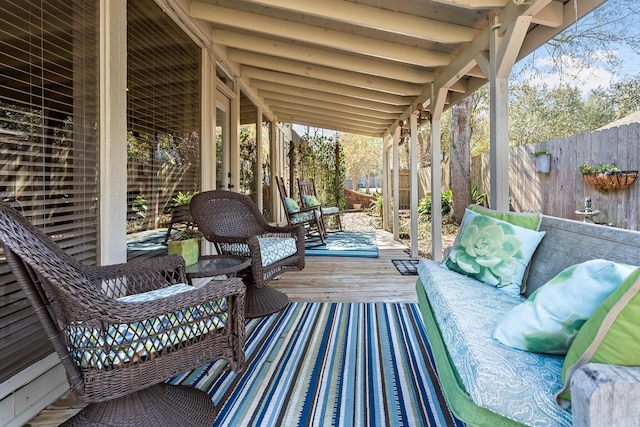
<point x="159" y="405"/>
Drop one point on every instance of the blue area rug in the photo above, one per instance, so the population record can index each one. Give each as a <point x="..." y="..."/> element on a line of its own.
<point x="347" y="244"/>
<point x="330" y="364"/>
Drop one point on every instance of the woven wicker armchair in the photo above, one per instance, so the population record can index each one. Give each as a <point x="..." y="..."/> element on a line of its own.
<point x="121" y="330"/>
<point x="233" y="222"/>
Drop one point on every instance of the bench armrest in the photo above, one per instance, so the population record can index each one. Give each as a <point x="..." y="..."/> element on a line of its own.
<point x="605" y="395"/>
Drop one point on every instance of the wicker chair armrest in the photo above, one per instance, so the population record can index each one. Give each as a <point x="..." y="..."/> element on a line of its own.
<point x="295" y="231"/>
<point x="145" y="275"/>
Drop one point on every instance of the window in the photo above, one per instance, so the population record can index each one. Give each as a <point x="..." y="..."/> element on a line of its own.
<point x="163" y="114"/>
<point x="48" y="146"/>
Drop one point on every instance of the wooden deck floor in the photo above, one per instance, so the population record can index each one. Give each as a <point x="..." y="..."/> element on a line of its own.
<point x="325" y="279"/>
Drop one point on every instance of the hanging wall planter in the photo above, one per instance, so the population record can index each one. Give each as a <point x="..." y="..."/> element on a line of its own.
<point x="610" y="181"/>
<point x="543" y="161"/>
<point x="605" y="177"/>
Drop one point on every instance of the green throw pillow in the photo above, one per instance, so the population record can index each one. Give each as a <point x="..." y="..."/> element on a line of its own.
<point x="493" y="251"/>
<point x="292" y="205"/>
<point x="310" y="200"/>
<point x="611" y="335"/>
<point x="552" y="316"/>
<point x="521" y="219"/>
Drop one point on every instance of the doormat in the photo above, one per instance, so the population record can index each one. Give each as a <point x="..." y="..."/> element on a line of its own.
<point x="406" y="267"/>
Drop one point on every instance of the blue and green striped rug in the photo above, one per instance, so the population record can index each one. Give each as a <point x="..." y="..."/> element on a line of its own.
<point x="330" y="364"/>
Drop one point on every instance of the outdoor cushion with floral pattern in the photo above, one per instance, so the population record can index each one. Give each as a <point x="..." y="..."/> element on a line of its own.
<point x="122" y="343"/>
<point x="493" y="251"/>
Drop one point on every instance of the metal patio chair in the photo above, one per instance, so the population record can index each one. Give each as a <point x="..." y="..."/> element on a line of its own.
<point x="122" y="330"/>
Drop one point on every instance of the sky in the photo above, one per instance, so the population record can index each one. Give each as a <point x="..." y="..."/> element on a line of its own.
<point x="576" y="72"/>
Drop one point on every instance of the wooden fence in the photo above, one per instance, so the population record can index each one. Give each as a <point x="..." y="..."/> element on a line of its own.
<point x="562" y="191"/>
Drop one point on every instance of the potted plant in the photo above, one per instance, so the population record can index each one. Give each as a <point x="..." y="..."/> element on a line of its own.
<point x="607" y="177"/>
<point x="543" y="161"/>
<point x="187" y="244"/>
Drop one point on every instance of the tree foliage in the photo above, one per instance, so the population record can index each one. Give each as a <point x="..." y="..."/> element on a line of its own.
<point x="593" y="40"/>
<point x="363" y="156"/>
<point x="321" y="158"/>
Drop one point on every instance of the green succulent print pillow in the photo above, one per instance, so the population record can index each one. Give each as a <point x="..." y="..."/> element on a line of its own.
<point x="552" y="316"/>
<point x="493" y="251"/>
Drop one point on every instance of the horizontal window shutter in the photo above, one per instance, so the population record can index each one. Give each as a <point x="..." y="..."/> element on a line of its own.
<point x="48" y="146"/>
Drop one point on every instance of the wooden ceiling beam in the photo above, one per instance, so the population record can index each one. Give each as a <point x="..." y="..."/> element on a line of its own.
<point x="475" y="4"/>
<point x="322" y="85"/>
<point x="305" y="69"/>
<point x="311" y="109"/>
<point x="342" y="61"/>
<point x="324" y="96"/>
<point x="378" y="18"/>
<point x="280" y="28"/>
<point x="279" y="97"/>
<point x="337" y="126"/>
<point x="332" y="116"/>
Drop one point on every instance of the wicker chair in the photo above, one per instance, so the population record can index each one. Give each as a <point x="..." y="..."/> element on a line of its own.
<point x="234" y="224"/>
<point x="122" y="330"/>
<point x="309" y="199"/>
<point x="309" y="217"/>
<point x="180" y="215"/>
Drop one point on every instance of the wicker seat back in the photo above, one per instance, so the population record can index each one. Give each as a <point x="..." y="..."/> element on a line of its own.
<point x="234" y="224"/>
<point x="235" y="216"/>
<point x="126" y="351"/>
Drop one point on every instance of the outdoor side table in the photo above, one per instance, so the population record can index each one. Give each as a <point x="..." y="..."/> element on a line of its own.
<point x="217" y="265"/>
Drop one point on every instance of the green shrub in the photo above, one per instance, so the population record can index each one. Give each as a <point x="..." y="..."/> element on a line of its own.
<point x="424" y="206"/>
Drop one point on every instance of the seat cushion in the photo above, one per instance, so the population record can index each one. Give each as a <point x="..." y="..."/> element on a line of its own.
<point x="274" y="249"/>
<point x="118" y="344"/>
<point x="330" y="211"/>
<point x="513" y="383"/>
<point x="302" y="217"/>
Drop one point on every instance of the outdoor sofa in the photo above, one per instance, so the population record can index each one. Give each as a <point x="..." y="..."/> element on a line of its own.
<point x="488" y="383"/>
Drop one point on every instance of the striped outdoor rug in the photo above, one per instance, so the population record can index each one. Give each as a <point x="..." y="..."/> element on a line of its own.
<point x="330" y="364"/>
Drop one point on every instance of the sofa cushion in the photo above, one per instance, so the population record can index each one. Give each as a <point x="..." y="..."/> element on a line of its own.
<point x="611" y="335"/>
<point x="529" y="220"/>
<point x="552" y="316"/>
<point x="515" y="384"/>
<point x="118" y="344"/>
<point x="493" y="251"/>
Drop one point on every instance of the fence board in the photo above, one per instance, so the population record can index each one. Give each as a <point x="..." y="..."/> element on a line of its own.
<point x="562" y="191"/>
